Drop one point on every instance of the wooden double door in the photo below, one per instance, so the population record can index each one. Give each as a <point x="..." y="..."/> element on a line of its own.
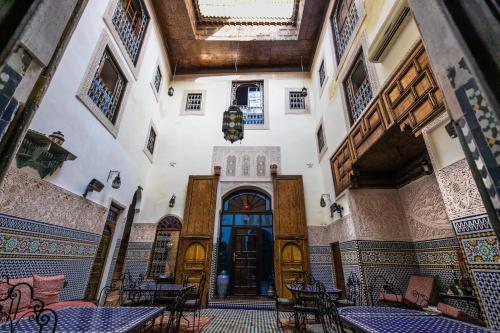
<point x="246" y="261"/>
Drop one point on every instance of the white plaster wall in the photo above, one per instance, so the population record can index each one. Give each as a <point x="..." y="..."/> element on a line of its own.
<point x="96" y="149"/>
<point x="189" y="141"/>
<point x="329" y="102"/>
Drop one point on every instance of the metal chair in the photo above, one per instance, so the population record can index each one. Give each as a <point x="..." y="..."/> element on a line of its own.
<point x="194" y="303"/>
<point x="353" y="292"/>
<point x="284" y="305"/>
<point x="10" y="312"/>
<point x="175" y="314"/>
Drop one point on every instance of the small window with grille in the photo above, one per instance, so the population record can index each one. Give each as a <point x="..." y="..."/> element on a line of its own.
<point x="157" y="79"/>
<point x="151" y="140"/>
<point x="296" y="100"/>
<point x="322" y="73"/>
<point x="321" y="140"/>
<point x="194" y="102"/>
<point x="358" y="88"/>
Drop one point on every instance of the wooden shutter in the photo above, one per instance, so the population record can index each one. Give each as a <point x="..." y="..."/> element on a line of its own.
<point x="291" y="251"/>
<point x="195" y="244"/>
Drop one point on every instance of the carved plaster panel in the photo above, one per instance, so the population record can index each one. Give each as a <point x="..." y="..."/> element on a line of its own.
<point x="25" y="195"/>
<point x="246" y="163"/>
<point x="143" y="232"/>
<point x="424" y="209"/>
<point x="460" y="194"/>
<point x="377" y="215"/>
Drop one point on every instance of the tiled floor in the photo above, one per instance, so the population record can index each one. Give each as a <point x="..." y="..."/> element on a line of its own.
<point x="240" y="321"/>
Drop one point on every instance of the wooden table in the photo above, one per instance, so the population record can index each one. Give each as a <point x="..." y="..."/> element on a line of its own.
<point x="95" y="320"/>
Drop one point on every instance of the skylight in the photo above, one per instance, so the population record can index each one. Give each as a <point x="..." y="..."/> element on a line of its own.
<point x="248" y="10"/>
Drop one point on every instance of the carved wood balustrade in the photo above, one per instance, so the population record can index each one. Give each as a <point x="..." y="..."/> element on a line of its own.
<point x="410" y="100"/>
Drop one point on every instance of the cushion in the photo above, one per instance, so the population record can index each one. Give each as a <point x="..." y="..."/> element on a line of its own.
<point x="285" y="301"/>
<point x="424" y="285"/>
<point x="24" y="301"/>
<point x="456" y="313"/>
<point x="67" y="304"/>
<point x="390" y="298"/>
<point x="48" y="288"/>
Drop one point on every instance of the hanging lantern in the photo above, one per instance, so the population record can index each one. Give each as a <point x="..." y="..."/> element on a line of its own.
<point x="232" y="124"/>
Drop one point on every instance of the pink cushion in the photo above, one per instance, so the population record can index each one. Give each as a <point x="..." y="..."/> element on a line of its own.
<point x="424" y="285"/>
<point x="48" y="288"/>
<point x="390" y="298"/>
<point x="455" y="313"/>
<point x="67" y="304"/>
<point x="20" y="304"/>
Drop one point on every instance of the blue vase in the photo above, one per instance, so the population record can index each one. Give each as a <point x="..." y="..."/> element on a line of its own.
<point x="222" y="283"/>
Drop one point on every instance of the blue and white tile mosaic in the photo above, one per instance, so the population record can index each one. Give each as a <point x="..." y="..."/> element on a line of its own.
<point x="488" y="284"/>
<point x="30" y="247"/>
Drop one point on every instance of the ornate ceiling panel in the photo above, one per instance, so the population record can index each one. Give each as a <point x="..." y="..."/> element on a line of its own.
<point x="202" y="38"/>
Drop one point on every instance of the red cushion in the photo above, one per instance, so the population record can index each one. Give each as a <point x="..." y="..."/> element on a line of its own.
<point x="456" y="313"/>
<point x="25" y="300"/>
<point x="390" y="298"/>
<point x="48" y="288"/>
<point x="67" y="304"/>
<point x="423" y="285"/>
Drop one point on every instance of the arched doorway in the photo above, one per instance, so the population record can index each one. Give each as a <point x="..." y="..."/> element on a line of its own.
<point x="246" y="242"/>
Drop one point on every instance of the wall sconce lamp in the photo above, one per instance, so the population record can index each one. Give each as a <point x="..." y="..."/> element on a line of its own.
<point x="336" y="208"/>
<point x="322" y="201"/>
<point x="426" y="167"/>
<point x="117" y="182"/>
<point x="450" y="129"/>
<point x="171" y="203"/>
<point x="94" y="185"/>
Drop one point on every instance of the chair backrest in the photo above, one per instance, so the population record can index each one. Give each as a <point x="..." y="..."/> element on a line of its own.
<point x="114" y="288"/>
<point x="201" y="286"/>
<point x="354" y="289"/>
<point x="328" y="313"/>
<point x="174" y="319"/>
<point x="11" y="313"/>
<point x="420" y="290"/>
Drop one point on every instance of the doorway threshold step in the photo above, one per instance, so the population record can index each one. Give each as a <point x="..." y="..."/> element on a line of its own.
<point x="241" y="303"/>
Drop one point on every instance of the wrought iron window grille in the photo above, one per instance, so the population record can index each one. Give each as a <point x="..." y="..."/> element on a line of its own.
<point x="157" y="79"/>
<point x="253" y="111"/>
<point x="193" y="101"/>
<point x="343" y="34"/>
<point x="296" y="100"/>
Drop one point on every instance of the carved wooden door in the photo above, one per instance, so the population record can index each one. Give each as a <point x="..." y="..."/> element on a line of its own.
<point x="99" y="260"/>
<point x="291" y="251"/>
<point x="195" y="243"/>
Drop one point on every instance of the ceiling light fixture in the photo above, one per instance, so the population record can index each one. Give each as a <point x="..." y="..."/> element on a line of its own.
<point x="171" y="89"/>
<point x="232" y="121"/>
<point x="304" y="89"/>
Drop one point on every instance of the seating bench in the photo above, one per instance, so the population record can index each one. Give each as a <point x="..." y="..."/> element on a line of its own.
<point x="418" y="293"/>
<point x="44" y="288"/>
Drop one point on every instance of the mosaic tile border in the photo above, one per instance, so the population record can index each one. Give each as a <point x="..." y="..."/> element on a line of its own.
<point x="472" y="224"/>
<point x="16" y="224"/>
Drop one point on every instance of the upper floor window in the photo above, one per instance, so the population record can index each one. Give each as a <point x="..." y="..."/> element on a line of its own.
<point x="358" y="88"/>
<point x="150" y="146"/>
<point x="193" y="102"/>
<point x="322" y="73"/>
<point x="107" y="87"/>
<point x="157" y="79"/>
<point x="296" y="100"/>
<point x="344" y="19"/>
<point x="249" y="96"/>
<point x="130" y="20"/>
<point x="320" y="139"/>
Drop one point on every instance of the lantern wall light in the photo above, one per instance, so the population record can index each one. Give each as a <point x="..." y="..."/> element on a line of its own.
<point x="117" y="182"/>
